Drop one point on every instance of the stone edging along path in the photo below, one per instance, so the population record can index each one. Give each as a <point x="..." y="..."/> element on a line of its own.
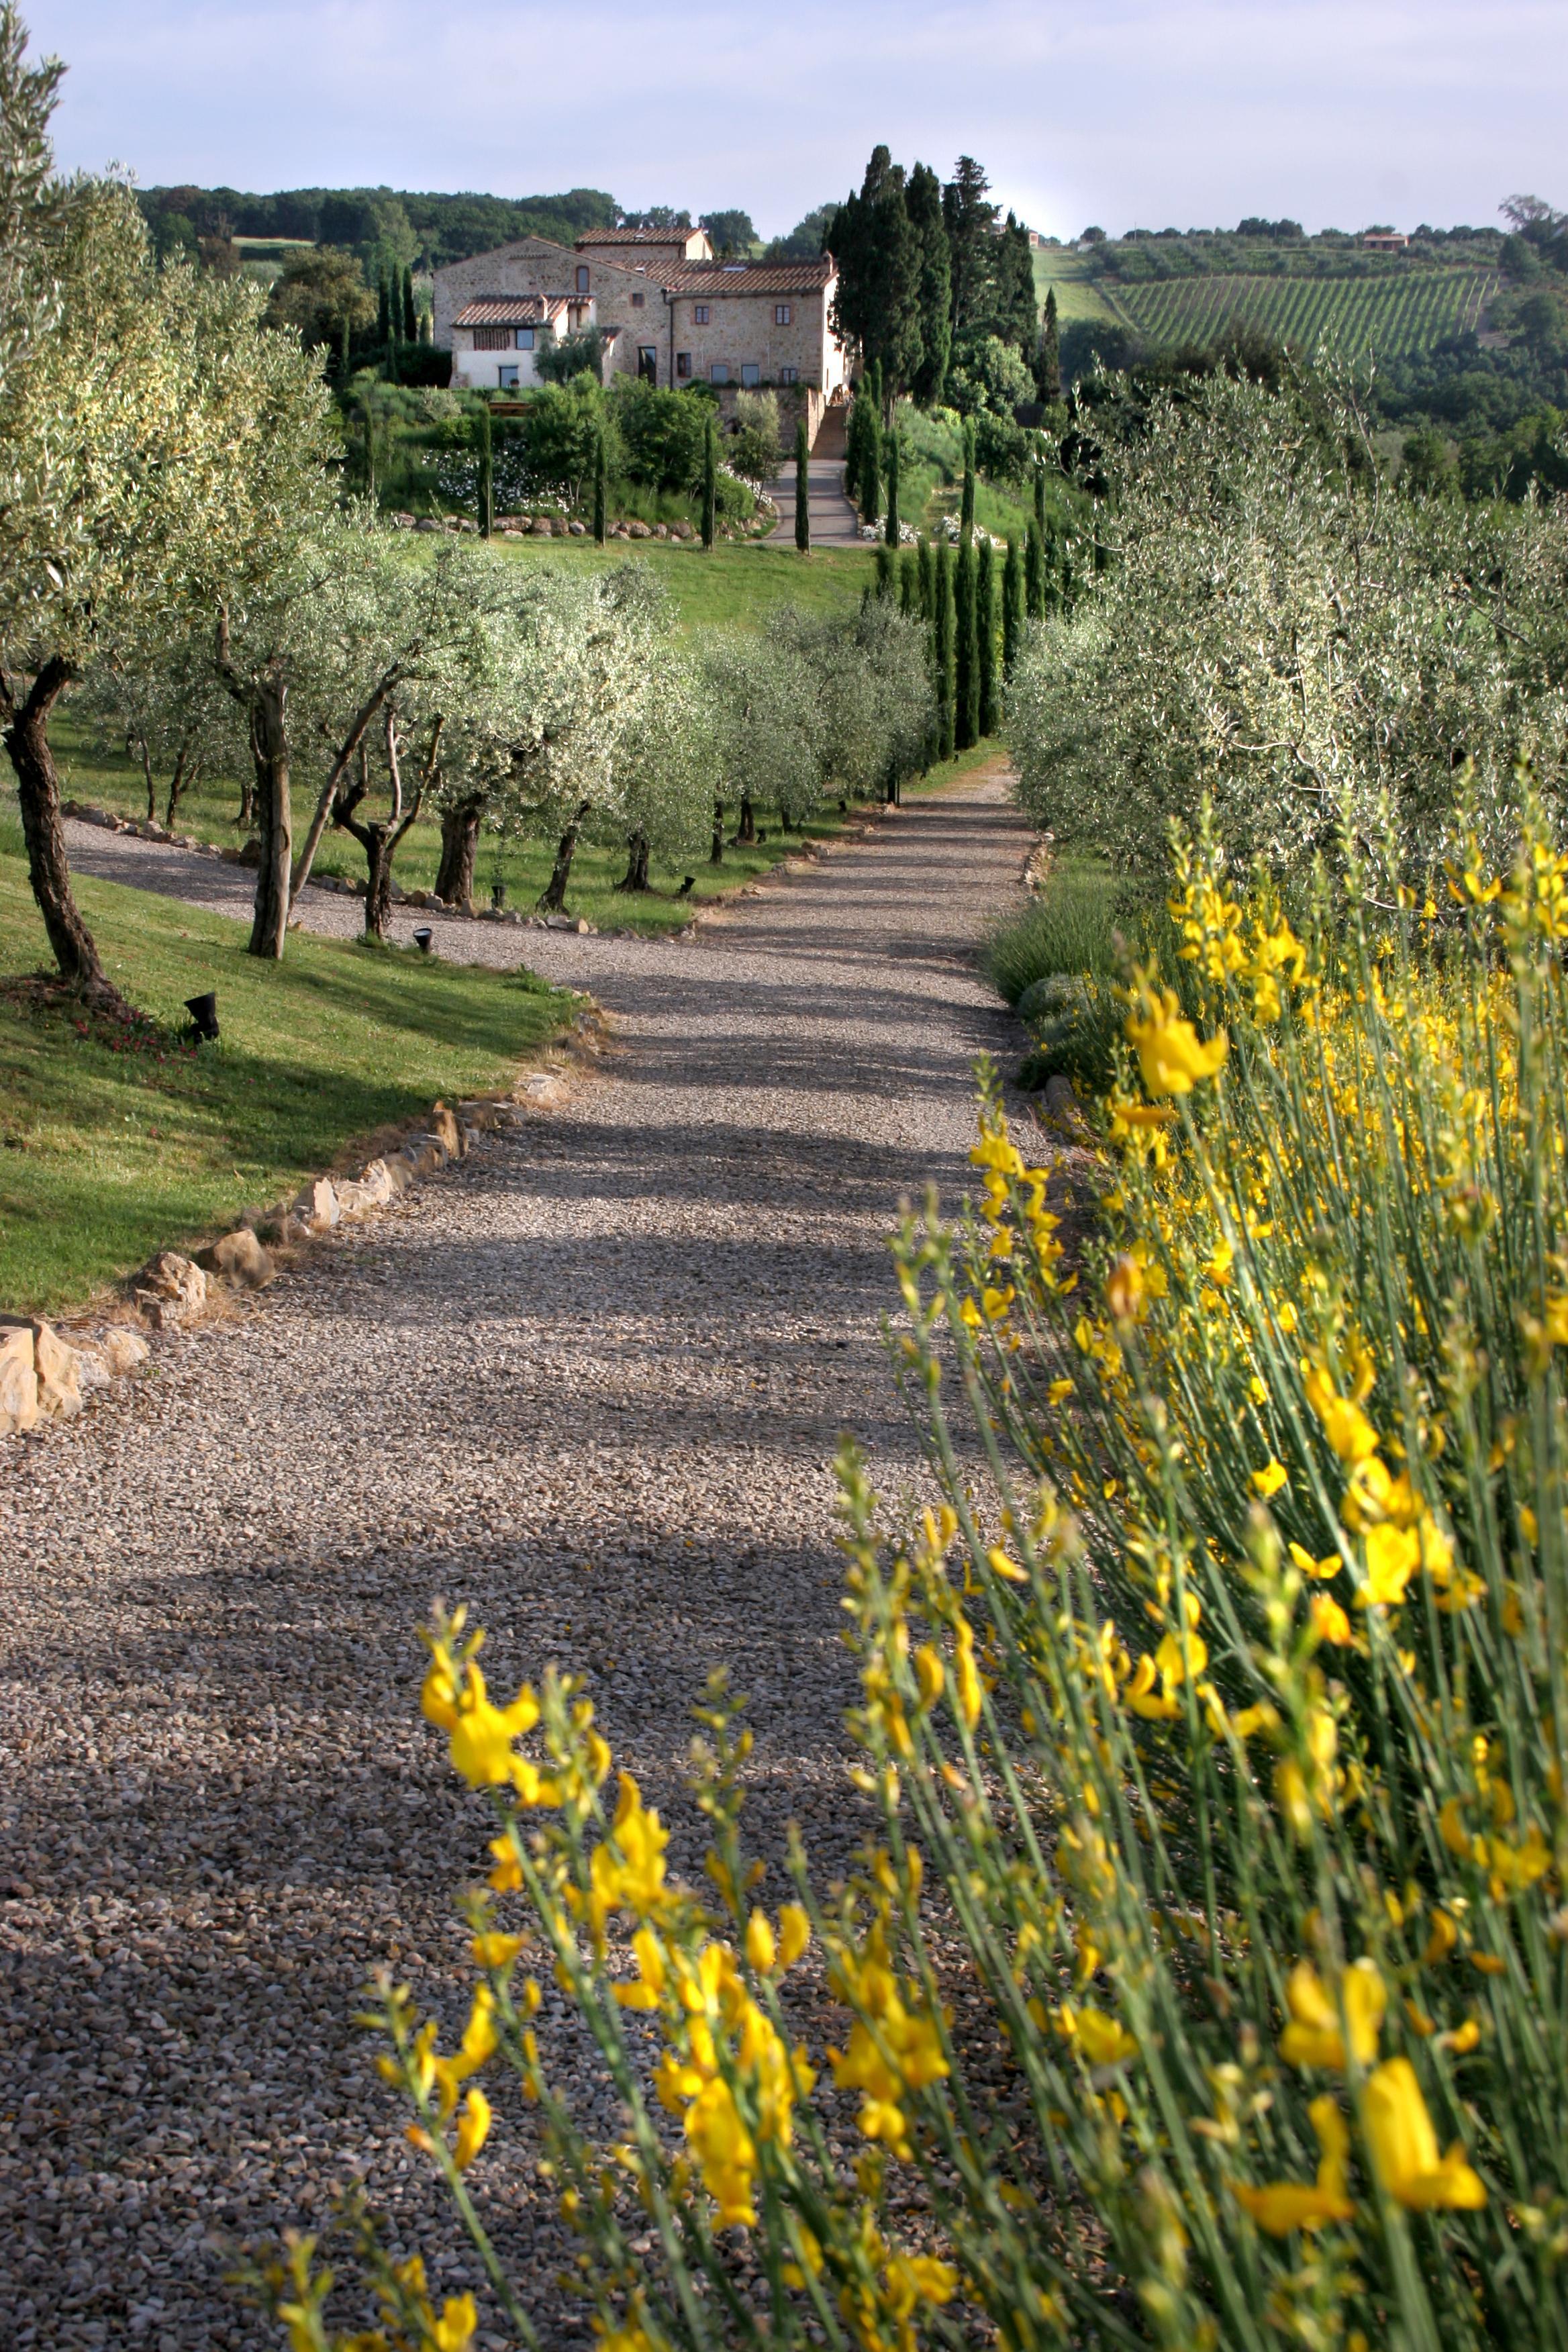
<point x="590" y="1381"/>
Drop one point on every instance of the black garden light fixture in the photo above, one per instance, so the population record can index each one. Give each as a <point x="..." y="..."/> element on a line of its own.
<point x="203" y="1010"/>
<point x="422" y="938"/>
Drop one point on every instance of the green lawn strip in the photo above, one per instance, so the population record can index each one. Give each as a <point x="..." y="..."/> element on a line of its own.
<point x="107" y="1154"/>
<point x="731" y="588"/>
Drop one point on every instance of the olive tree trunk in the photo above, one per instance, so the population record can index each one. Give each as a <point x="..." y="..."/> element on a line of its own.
<point x="636" y="876"/>
<point x="459" y="851"/>
<point x="552" y="898"/>
<point x="26" y="738"/>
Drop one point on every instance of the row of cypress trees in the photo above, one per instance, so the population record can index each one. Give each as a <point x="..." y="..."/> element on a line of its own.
<point x="974" y="610"/>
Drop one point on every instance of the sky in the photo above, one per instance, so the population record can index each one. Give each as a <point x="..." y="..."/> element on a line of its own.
<point x="1125" y="113"/>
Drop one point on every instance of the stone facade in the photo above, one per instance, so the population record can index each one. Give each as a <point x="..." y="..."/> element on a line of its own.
<point x="677" y="319"/>
<point x="583" y="293"/>
<point x="755" y="323"/>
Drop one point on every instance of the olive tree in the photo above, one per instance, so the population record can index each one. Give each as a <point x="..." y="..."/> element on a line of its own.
<point x="1274" y="632"/>
<point x="160" y="695"/>
<point x="768" y="728"/>
<point x="145" y="422"/>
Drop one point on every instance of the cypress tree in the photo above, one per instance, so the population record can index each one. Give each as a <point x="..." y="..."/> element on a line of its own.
<point x="802" y="489"/>
<point x="410" y="316"/>
<point x="966" y="511"/>
<point x="709" y="485"/>
<point x="1049" y="356"/>
<point x="910" y="584"/>
<point x="1013" y="618"/>
<point x="927" y="561"/>
<point x="487" y="469"/>
<point x="599" y="486"/>
<point x="887" y="571"/>
<point x="1041" y="504"/>
<point x="343" y="349"/>
<point x="986" y="626"/>
<point x="966" y="651"/>
<point x="943" y="633"/>
<point x="384" y="311"/>
<point x="892" y="469"/>
<point x="1035" y="574"/>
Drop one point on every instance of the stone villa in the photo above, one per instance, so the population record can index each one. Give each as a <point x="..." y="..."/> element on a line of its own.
<point x="667" y="309"/>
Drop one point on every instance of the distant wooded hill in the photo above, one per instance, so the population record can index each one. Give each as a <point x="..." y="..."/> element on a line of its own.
<point x="386" y="223"/>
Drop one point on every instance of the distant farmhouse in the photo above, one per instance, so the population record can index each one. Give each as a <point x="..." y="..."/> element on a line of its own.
<point x="665" y="309"/>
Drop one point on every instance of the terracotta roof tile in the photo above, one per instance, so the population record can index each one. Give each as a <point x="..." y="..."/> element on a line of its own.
<point x="751" y="276"/>
<point x="508" y="309"/>
<point x="636" y="236"/>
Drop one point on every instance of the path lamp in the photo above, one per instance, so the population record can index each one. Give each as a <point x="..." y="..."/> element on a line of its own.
<point x="203" y="1010"/>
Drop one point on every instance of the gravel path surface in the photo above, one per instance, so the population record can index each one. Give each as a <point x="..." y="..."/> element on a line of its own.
<point x="590" y="1381"/>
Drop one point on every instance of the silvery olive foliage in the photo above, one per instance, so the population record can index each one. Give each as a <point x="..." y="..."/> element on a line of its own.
<point x="1275" y="628"/>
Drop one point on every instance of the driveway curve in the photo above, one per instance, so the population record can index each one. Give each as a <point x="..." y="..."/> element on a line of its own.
<point x="590" y="1381"/>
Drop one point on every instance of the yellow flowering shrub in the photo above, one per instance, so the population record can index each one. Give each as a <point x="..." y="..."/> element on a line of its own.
<point x="1221" y="1720"/>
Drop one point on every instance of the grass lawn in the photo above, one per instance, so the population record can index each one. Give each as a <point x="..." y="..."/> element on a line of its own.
<point x="735" y="587"/>
<point x="1078" y="295"/>
<point x="110" y="1149"/>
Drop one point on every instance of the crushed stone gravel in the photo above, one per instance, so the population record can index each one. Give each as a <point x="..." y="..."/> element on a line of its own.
<point x="590" y="1381"/>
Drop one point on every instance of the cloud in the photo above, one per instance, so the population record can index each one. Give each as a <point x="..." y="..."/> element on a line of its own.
<point x="1131" y="113"/>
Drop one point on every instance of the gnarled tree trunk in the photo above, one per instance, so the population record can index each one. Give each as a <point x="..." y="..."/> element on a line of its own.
<point x="716" y="855"/>
<point x="636" y="876"/>
<point x="26" y="738"/>
<point x="552" y="898"/>
<point x="747" y="828"/>
<point x="459" y="851"/>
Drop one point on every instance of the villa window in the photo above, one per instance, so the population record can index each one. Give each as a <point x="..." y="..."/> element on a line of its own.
<point x="789" y="376"/>
<point x="750" y="374"/>
<point x="682" y="366"/>
<point x="647" y="363"/>
<point x="507" y="378"/>
<point x="525" y="339"/>
<point x="782" y="314"/>
<point x="639" y="302"/>
<point x="492" y="339"/>
<point x="699" y="313"/>
<point x="582" y="278"/>
<point x="719" y="373"/>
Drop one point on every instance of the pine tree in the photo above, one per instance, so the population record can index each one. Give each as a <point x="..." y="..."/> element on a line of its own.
<point x="1048" y="353"/>
<point x="599" y="486"/>
<point x="710" y="483"/>
<point x="877" y="305"/>
<point x="891" y="446"/>
<point x="487" y="469"/>
<point x="910" y="584"/>
<point x="887" y="571"/>
<point x="410" y="316"/>
<point x="926" y="559"/>
<point x="802" y="489"/>
<point x="985" y="628"/>
<point x="1013" y="615"/>
<point x="944" y="630"/>
<point x="966" y="511"/>
<point x="966" y="651"/>
<point x="1035" y="574"/>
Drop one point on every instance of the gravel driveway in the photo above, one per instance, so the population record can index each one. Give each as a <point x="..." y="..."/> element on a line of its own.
<point x="590" y="1381"/>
